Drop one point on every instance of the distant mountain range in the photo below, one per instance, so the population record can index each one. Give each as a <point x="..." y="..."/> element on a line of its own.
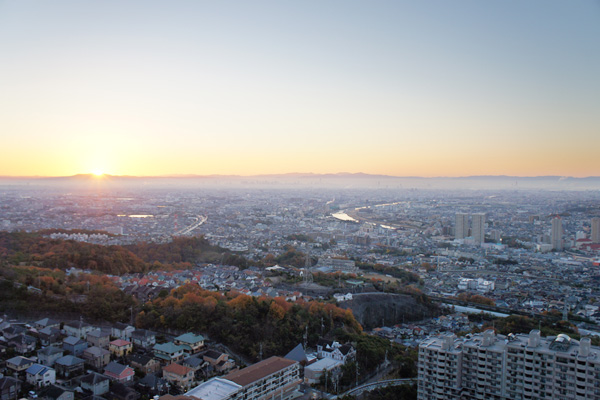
<point x="338" y="180"/>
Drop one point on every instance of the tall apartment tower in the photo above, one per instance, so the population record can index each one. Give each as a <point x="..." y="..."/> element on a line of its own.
<point x="557" y="233"/>
<point x="495" y="367"/>
<point x="595" y="230"/>
<point x="461" y="227"/>
<point x="477" y="229"/>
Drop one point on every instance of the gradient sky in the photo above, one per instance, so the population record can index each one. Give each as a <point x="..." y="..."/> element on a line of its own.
<point x="427" y="88"/>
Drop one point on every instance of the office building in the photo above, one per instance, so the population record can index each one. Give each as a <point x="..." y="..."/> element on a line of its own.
<point x="556" y="234"/>
<point x="595" y="230"/>
<point x="516" y="367"/>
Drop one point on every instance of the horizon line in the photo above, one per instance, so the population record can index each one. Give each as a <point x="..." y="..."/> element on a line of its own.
<point x="189" y="176"/>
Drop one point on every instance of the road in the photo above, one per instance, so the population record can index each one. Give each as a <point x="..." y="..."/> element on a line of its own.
<point x="200" y="219"/>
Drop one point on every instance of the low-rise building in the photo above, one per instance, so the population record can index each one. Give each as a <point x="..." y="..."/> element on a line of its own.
<point x="191" y="342"/>
<point x="143" y="338"/>
<point x="119" y="372"/>
<point x="39" y="375"/>
<point x="96" y="357"/>
<point x="168" y="352"/>
<point x="48" y="355"/>
<point x="95" y="383"/>
<point x="69" y="366"/>
<point x="179" y="375"/>
<point x="98" y="338"/>
<point x="120" y="347"/>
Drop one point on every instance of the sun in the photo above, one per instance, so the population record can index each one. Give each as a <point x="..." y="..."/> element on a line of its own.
<point x="97" y="173"/>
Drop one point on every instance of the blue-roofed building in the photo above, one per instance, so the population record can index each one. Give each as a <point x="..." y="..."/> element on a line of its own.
<point x="168" y="353"/>
<point x="69" y="366"/>
<point x="48" y="355"/>
<point x="40" y="375"/>
<point x="191" y="342"/>
<point x="74" y="345"/>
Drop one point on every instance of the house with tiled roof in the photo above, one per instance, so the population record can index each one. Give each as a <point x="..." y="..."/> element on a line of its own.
<point x="95" y="383"/>
<point x="69" y="366"/>
<point x="168" y="352"/>
<point x="98" y="337"/>
<point x="332" y="349"/>
<point x="55" y="392"/>
<point x="78" y="329"/>
<point x="48" y="355"/>
<point x="96" y="357"/>
<point x="147" y="365"/>
<point x="122" y="331"/>
<point x="191" y="342"/>
<point x="179" y="375"/>
<point x="120" y="347"/>
<point x="74" y="345"/>
<point x="23" y="344"/>
<point x="9" y="388"/>
<point x="39" y="375"/>
<point x="119" y="373"/>
<point x="143" y="338"/>
<point x="18" y="363"/>
<point x="46" y="323"/>
<point x="49" y="336"/>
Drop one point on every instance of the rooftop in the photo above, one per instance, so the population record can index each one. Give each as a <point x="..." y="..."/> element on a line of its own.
<point x="259" y="370"/>
<point x="214" y="389"/>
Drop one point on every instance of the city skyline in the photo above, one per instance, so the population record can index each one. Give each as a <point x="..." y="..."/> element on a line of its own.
<point x="428" y="89"/>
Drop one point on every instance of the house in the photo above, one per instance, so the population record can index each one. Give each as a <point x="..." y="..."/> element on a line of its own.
<point x="195" y="363"/>
<point x="48" y="355"/>
<point x="143" y="338"/>
<point x="74" y="345"/>
<point x="334" y="350"/>
<point x="121" y="392"/>
<point x="23" y="344"/>
<point x="147" y="365"/>
<point x="18" y="363"/>
<point x="78" y="329"/>
<point x="46" y="323"/>
<point x="120" y="347"/>
<point x="9" y="388"/>
<point x="122" y="331"/>
<point x="96" y="357"/>
<point x="13" y="331"/>
<point x="54" y="392"/>
<point x="39" y="375"/>
<point x="179" y="375"/>
<point x="191" y="343"/>
<point x="152" y="385"/>
<point x="220" y="362"/>
<point x="95" y="383"/>
<point x="168" y="352"/>
<point x="69" y="366"/>
<point x="119" y="372"/>
<point x="98" y="338"/>
<point x="49" y="336"/>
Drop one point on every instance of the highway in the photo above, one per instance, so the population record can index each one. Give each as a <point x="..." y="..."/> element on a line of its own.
<point x="199" y="220"/>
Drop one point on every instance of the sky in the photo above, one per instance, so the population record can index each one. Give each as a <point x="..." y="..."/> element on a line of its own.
<point x="404" y="88"/>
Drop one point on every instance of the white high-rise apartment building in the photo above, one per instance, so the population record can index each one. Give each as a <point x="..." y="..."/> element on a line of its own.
<point x="595" y="230"/>
<point x="478" y="227"/>
<point x="515" y="367"/>
<point x="461" y="227"/>
<point x="556" y="234"/>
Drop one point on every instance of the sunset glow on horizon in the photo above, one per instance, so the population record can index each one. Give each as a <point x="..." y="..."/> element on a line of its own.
<point x="427" y="89"/>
